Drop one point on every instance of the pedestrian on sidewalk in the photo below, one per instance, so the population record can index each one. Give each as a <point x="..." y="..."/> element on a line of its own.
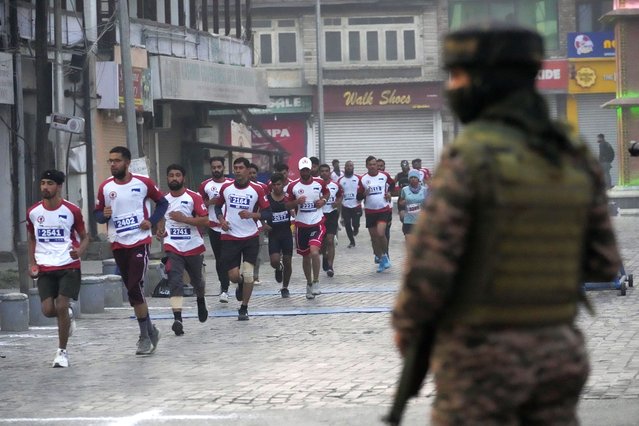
<point x="53" y="227"/>
<point x="210" y="191"/>
<point x="517" y="218"/>
<point x="331" y="219"/>
<point x="239" y="207"/>
<point x="183" y="244"/>
<point x="351" y="206"/>
<point x="280" y="236"/>
<point x="606" y="157"/>
<point x="308" y="195"/>
<point x="121" y="204"/>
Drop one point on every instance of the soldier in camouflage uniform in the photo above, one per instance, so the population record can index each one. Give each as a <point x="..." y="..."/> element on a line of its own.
<point x="517" y="219"/>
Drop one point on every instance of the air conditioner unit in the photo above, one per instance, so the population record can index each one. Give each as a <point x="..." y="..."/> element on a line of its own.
<point x="67" y="123"/>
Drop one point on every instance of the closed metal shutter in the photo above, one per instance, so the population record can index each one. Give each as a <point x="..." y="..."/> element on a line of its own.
<point x="551" y="101"/>
<point x="594" y="120"/>
<point x="391" y="136"/>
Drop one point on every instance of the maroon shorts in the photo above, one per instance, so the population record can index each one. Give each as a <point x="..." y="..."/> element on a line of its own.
<point x="132" y="263"/>
<point x="308" y="236"/>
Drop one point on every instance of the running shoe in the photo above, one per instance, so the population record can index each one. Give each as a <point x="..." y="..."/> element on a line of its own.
<point x="351" y="245"/>
<point x="385" y="261"/>
<point x="72" y="325"/>
<point x="154" y="336"/>
<point x="242" y="314"/>
<point x="202" y="312"/>
<point x="309" y="292"/>
<point x="145" y="347"/>
<point x="177" y="328"/>
<point x="285" y="293"/>
<point x="380" y="267"/>
<point x="355" y="232"/>
<point x="330" y="272"/>
<point x="377" y="260"/>
<point x="224" y="297"/>
<point x="279" y="272"/>
<point x="61" y="359"/>
<point x="315" y="289"/>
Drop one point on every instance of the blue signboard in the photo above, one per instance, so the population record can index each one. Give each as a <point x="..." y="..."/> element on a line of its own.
<point x="591" y="45"/>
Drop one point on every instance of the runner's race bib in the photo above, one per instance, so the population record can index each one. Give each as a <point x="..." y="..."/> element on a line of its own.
<point x="126" y="223"/>
<point x="51" y="235"/>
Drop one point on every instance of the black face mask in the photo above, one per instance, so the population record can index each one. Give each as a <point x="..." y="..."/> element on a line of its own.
<point x="466" y="102"/>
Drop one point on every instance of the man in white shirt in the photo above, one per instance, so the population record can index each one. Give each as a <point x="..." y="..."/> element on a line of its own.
<point x="331" y="218"/>
<point x="351" y="206"/>
<point x="246" y="204"/>
<point x="53" y="227"/>
<point x="183" y="244"/>
<point x="123" y="204"/>
<point x="336" y="173"/>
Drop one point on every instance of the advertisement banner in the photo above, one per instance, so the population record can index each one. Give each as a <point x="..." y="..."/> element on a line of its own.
<point x="591" y="45"/>
<point x="390" y="97"/>
<point x="553" y="75"/>
<point x="592" y="77"/>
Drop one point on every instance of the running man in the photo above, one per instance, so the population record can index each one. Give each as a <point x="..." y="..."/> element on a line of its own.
<point x="374" y="190"/>
<point x="308" y="195"/>
<point x="280" y="237"/>
<point x="331" y="217"/>
<point x="210" y="191"/>
<point x="411" y="202"/>
<point x="183" y="244"/>
<point x="253" y="170"/>
<point x="123" y="205"/>
<point x="240" y="232"/>
<point x="351" y="206"/>
<point x="53" y="226"/>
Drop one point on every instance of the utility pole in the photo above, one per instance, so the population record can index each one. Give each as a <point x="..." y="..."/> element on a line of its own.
<point x="43" y="149"/>
<point x="127" y="79"/>
<point x="320" y="81"/>
<point x="58" y="93"/>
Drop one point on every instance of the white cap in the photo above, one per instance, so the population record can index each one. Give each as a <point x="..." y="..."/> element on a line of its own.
<point x="304" y="163"/>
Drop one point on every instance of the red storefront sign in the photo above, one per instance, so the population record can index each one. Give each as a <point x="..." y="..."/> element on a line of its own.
<point x="288" y="132"/>
<point x="553" y="75"/>
<point x="391" y="97"/>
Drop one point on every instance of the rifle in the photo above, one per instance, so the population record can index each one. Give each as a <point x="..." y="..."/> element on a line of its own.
<point x="413" y="373"/>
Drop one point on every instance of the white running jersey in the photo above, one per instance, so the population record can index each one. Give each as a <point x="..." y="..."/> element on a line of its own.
<point x="210" y="190"/>
<point x="249" y="198"/>
<point x="130" y="206"/>
<point x="307" y="213"/>
<point x="335" y="192"/>
<point x="182" y="238"/>
<point x="335" y="177"/>
<point x="375" y="201"/>
<point x="349" y="187"/>
<point x="55" y="234"/>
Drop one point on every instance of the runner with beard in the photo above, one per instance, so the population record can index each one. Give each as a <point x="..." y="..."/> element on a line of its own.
<point x="210" y="191"/>
<point x="183" y="243"/>
<point x="123" y="204"/>
<point x="351" y="206"/>
<point x="331" y="219"/>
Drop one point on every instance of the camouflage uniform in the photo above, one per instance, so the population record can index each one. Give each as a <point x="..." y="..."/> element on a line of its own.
<point x="491" y="368"/>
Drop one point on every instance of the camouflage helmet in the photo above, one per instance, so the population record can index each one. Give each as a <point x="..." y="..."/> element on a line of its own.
<point x="493" y="46"/>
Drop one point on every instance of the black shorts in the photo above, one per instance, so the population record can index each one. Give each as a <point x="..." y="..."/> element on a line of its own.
<point x="309" y="236"/>
<point x="65" y="282"/>
<point x="234" y="252"/>
<point x="407" y="228"/>
<point x="331" y="221"/>
<point x="280" y="242"/>
<point x="372" y="219"/>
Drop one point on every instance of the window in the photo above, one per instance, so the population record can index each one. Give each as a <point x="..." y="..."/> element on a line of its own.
<point x="538" y="14"/>
<point x="277" y="42"/>
<point x="388" y="39"/>
<point x="589" y="12"/>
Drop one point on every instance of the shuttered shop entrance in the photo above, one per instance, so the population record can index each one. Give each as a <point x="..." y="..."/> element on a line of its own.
<point x="391" y="136"/>
<point x="594" y="120"/>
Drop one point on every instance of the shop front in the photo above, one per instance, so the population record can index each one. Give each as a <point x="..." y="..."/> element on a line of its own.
<point x="592" y="84"/>
<point x="552" y="83"/>
<point x="394" y="122"/>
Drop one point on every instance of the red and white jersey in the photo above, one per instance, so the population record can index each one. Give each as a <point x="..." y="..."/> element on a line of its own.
<point x="55" y="233"/>
<point x="210" y="190"/>
<point x="182" y="238"/>
<point x="130" y="206"/>
<point x="307" y="213"/>
<point x="349" y="185"/>
<point x="249" y="198"/>
<point x="377" y="186"/>
<point x="335" y="191"/>
<point x="335" y="177"/>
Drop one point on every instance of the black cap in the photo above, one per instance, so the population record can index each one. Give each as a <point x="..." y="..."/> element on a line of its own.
<point x="404" y="163"/>
<point x="494" y="46"/>
<point x="55" y="175"/>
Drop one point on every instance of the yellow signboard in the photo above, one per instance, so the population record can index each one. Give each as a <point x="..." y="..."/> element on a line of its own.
<point x="596" y="76"/>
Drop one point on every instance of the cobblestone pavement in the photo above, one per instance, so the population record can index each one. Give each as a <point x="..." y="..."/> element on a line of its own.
<point x="324" y="361"/>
